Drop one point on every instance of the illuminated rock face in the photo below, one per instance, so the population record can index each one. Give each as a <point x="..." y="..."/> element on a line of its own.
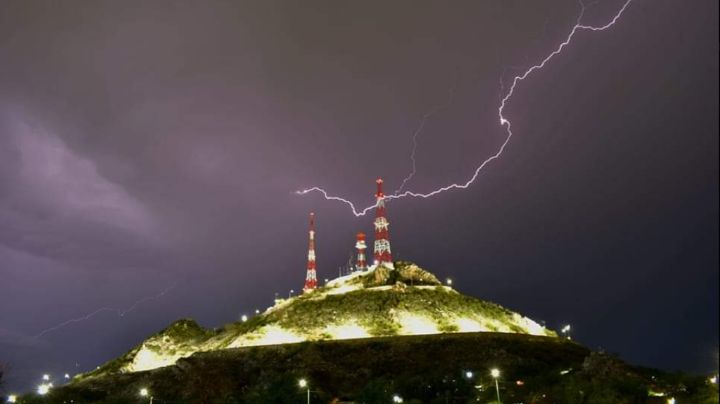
<point x="374" y="303"/>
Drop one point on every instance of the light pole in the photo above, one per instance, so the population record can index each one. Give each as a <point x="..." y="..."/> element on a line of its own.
<point x="495" y="373"/>
<point x="397" y="399"/>
<point x="304" y="385"/>
<point x="144" y="393"/>
<point x="566" y="331"/>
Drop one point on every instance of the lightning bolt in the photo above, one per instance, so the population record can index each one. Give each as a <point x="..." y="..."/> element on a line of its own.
<point x="504" y="121"/>
<point x="419" y="129"/>
<point x="119" y="312"/>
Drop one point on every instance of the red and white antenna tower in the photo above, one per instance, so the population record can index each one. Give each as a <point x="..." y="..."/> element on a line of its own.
<point x="360" y="265"/>
<point x="382" y="235"/>
<point x="311" y="276"/>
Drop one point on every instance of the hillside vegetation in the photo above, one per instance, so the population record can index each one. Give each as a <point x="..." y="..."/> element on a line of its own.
<point x="421" y="369"/>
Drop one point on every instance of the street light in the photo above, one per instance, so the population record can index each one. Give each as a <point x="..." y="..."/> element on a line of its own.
<point x="469" y="374"/>
<point x="671" y="400"/>
<point x="46" y="377"/>
<point x="12" y="398"/>
<point x="244" y="318"/>
<point x="566" y="331"/>
<point x="448" y="281"/>
<point x="304" y="385"/>
<point x="397" y="399"/>
<point x="495" y="373"/>
<point x="144" y="393"/>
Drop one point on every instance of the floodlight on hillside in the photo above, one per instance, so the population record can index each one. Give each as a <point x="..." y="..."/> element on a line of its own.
<point x="495" y="373"/>
<point x="43" y="389"/>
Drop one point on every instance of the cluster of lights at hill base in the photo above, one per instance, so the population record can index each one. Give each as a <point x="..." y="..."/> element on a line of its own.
<point x="503" y="120"/>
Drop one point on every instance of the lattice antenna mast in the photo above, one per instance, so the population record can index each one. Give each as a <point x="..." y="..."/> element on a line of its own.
<point x="382" y="254"/>
<point x="311" y="275"/>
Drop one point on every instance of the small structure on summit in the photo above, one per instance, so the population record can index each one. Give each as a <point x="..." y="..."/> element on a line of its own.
<point x="311" y="275"/>
<point x="361" y="264"/>
<point x="382" y="254"/>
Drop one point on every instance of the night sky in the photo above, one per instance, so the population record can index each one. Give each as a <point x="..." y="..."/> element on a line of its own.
<point x="155" y="145"/>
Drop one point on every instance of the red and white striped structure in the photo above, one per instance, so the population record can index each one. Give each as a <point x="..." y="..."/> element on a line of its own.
<point x="311" y="276"/>
<point x="382" y="235"/>
<point x="360" y="265"/>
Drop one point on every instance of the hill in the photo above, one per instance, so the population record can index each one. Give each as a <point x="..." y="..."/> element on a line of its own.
<point x="366" y="337"/>
<point x="375" y="303"/>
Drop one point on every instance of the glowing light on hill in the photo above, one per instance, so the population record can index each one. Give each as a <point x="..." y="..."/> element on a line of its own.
<point x="347" y="331"/>
<point x="147" y="358"/>
<point x="530" y="326"/>
<point x="469" y="325"/>
<point x="416" y="325"/>
<point x="44" y="388"/>
<point x="270" y="335"/>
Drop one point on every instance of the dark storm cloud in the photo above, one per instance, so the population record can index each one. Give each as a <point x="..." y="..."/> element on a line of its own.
<point x="57" y="200"/>
<point x="148" y="143"/>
